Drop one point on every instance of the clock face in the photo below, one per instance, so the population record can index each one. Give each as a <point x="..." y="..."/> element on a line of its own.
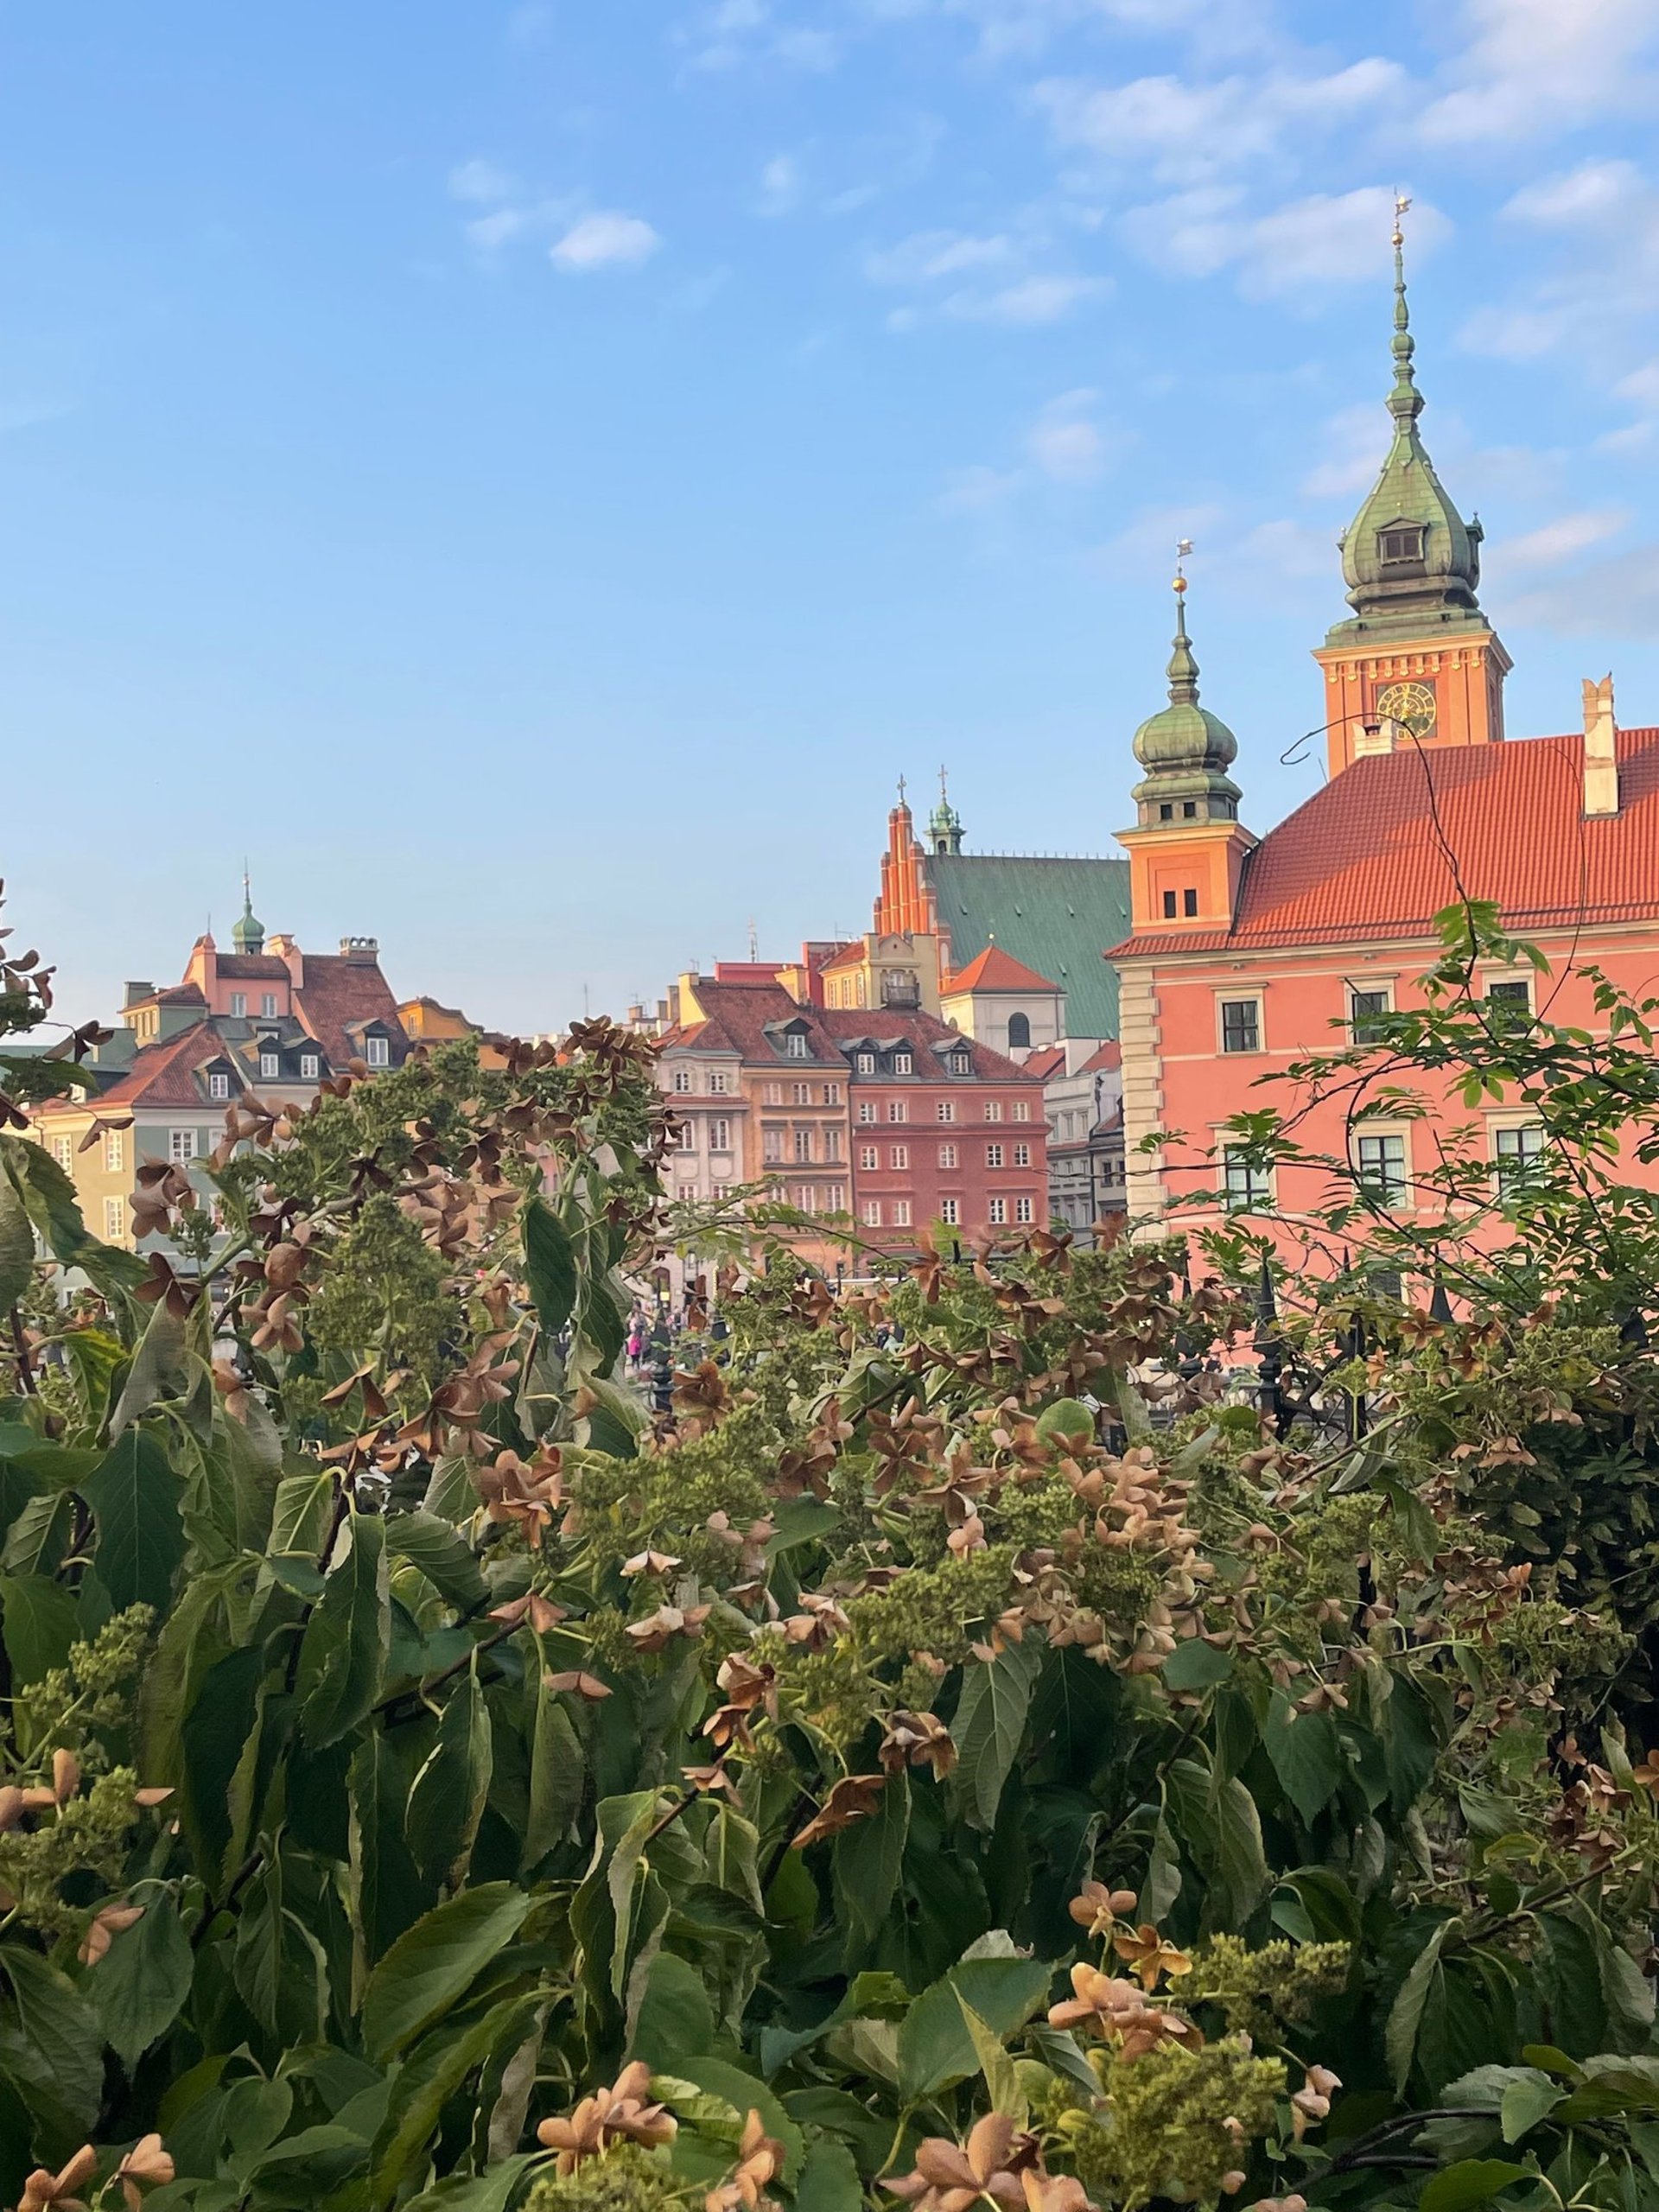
<point x="1410" y="703"/>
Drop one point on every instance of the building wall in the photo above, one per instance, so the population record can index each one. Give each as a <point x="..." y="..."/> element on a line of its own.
<point x="926" y="1168"/>
<point x="1178" y="1077"/>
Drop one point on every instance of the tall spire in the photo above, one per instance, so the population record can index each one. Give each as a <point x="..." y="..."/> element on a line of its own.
<point x="945" y="824"/>
<point x="1405" y="401"/>
<point x="248" y="935"/>
<point x="1185" y="749"/>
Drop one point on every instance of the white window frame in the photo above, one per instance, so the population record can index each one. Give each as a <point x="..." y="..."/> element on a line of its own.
<point x="219" y="1085"/>
<point x="866" y="1111"/>
<point x="683" y="1082"/>
<point x="993" y="1109"/>
<point x="951" y="1213"/>
<point x="268" y="1005"/>
<point x="772" y="1152"/>
<point x="901" y="1213"/>
<point x="872" y="1213"/>
<point x="115" y="1226"/>
<point x="1022" y="1155"/>
<point x="1396" y="1202"/>
<point x="898" y="1156"/>
<point x="1504" y="1164"/>
<point x="238" y="1006"/>
<point x="864" y="1063"/>
<point x="115" y="1151"/>
<point x="802" y="1142"/>
<point x="903" y="1063"/>
<point x="1383" y="990"/>
<point x="1022" y="1110"/>
<point x="996" y="1213"/>
<point x="869" y="1156"/>
<point x="63" y="1151"/>
<point x="1245" y="1187"/>
<point x="1224" y="1000"/>
<point x="311" y="1067"/>
<point x="377" y="1051"/>
<point x="181" y="1145"/>
<point x="717" y="1083"/>
<point x="1025" y="1210"/>
<point x="720" y="1134"/>
<point x="992" y="1156"/>
<point x="947" y="1111"/>
<point x="898" y="1109"/>
<point x="832" y="1094"/>
<point x="795" y="1045"/>
<point x="271" y="1066"/>
<point x="947" y="1155"/>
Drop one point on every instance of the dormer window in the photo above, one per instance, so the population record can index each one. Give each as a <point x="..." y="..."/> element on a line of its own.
<point x="959" y="1063"/>
<point x="269" y="1067"/>
<point x="867" y="1063"/>
<point x="1401" y="542"/>
<point x="901" y="1063"/>
<point x="310" y="1066"/>
<point x="377" y="1051"/>
<point x="795" y="1045"/>
<point x="219" y="1085"/>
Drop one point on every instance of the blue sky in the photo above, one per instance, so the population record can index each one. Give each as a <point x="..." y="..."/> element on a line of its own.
<point x="531" y="477"/>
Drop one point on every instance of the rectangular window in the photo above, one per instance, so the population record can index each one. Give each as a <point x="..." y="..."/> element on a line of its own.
<point x="803" y="1094"/>
<point x="63" y="1151"/>
<point x="947" y="1155"/>
<point x="377" y="1051"/>
<point x="1189" y="903"/>
<point x="689" y="1137"/>
<point x="1366" y="1013"/>
<point x="872" y="1213"/>
<point x="683" y="1080"/>
<point x="803" y="1144"/>
<point x="868" y="1156"/>
<point x="219" y="1086"/>
<point x="992" y="1156"/>
<point x="1241" y="1024"/>
<point x="831" y="1144"/>
<point x="947" y="1110"/>
<point x="310" y="1066"/>
<point x="771" y="1143"/>
<point x="722" y="1191"/>
<point x="1248" y="1183"/>
<point x="901" y="1063"/>
<point x="1022" y="1110"/>
<point x="795" y="1045"/>
<point x="901" y="1213"/>
<point x="897" y="1110"/>
<point x="112" y="1221"/>
<point x="1022" y="1155"/>
<point x="687" y="1193"/>
<point x="1401" y="544"/>
<point x="239" y="1005"/>
<point x="719" y="1135"/>
<point x="835" y="1197"/>
<point x="268" y="1005"/>
<point x="998" y="1212"/>
<point x="899" y="1155"/>
<point x="951" y="1211"/>
<point x="1383" y="1169"/>
<point x="773" y="1095"/>
<point x="270" y="1066"/>
<point x="1171" y="907"/>
<point x="1025" y="1210"/>
<point x="832" y="1094"/>
<point x="866" y="1062"/>
<point x="180" y="1144"/>
<point x="1514" y="1151"/>
<point x="804" y="1196"/>
<point x="993" y="1109"/>
<point x="718" y="1083"/>
<point x="866" y="1111"/>
<point x="1511" y="1003"/>
<point x="115" y="1151"/>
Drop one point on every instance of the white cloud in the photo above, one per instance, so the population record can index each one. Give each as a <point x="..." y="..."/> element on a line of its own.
<point x="1617" y="597"/>
<point x="1560" y="540"/>
<point x="928" y="255"/>
<point x="1185" y="130"/>
<point x="1353" y="443"/>
<point x="1521" y="333"/>
<point x="1539" y="67"/>
<point x="1641" y="387"/>
<point x="1145" y="546"/>
<point x="1285" y="551"/>
<point x="736" y="31"/>
<point x="780" y="184"/>
<point x="1593" y="193"/>
<point x="1065" y="443"/>
<point x="979" y="491"/>
<point x="600" y="240"/>
<point x="480" y="183"/>
<point x="1603" y="217"/>
<point x="1304" y="246"/>
<point x="489" y="234"/>
<point x="1033" y="300"/>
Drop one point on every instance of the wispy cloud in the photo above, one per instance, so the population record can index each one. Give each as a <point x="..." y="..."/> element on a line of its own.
<point x="1537" y="68"/>
<point x="1351" y="445"/>
<point x="1554" y="543"/>
<point x="1002" y="286"/>
<point x="1300" y="247"/>
<point x="733" y="32"/>
<point x="780" y="185"/>
<point x="480" y="183"/>
<point x="1616" y="597"/>
<point x="605" y="239"/>
<point x="1066" y="442"/>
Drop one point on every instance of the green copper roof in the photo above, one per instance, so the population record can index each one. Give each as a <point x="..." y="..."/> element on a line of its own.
<point x="1430" y="573"/>
<point x="249" y="934"/>
<point x="1186" y="750"/>
<point x="1057" y="916"/>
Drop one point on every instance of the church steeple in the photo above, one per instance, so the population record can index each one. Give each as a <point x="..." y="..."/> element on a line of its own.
<point x="945" y="824"/>
<point x="249" y="934"/>
<point x="1417" y="658"/>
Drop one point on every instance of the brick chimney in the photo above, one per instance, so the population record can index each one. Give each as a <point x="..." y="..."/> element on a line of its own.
<point x="1371" y="737"/>
<point x="1600" y="748"/>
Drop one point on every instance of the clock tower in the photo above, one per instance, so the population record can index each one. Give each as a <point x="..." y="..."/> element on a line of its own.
<point x="1417" y="652"/>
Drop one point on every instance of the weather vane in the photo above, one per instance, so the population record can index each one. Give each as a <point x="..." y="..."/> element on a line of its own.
<point x="1402" y="202"/>
<point x="1183" y="547"/>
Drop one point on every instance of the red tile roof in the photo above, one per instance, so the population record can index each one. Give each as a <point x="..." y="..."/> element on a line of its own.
<point x="252" y="967"/>
<point x="996" y="970"/>
<point x="1372" y="855"/>
<point x="163" y="1074"/>
<point x="1048" y="1060"/>
<point x="923" y="1031"/>
<point x="337" y="992"/>
<point x="1111" y="1055"/>
<point x="737" y="1017"/>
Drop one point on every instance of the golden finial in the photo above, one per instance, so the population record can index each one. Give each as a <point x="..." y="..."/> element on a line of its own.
<point x="1402" y="202"/>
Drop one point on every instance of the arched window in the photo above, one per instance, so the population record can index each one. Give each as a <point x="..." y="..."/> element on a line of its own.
<point x="1019" y="1032"/>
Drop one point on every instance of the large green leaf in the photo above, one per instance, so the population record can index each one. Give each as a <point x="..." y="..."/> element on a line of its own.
<point x="550" y="1264"/>
<point x="989" y="1723"/>
<point x="1306" y="1755"/>
<point x="868" y="1856"/>
<point x="343" y="1654"/>
<point x="143" y="1980"/>
<point x="49" y="2037"/>
<point x="158" y="1367"/>
<point x="557" y="1776"/>
<point x="135" y="1499"/>
<point x="387" y="1892"/>
<point x="435" y="1961"/>
<point x="16" y="1246"/>
<point x="935" y="2045"/>
<point x="1471" y="2182"/>
<point x="427" y="2081"/>
<point x="39" y="1620"/>
<point x="440" y="1553"/>
<point x="1406" y="2013"/>
<point x="276" y="1963"/>
<point x="446" y="1802"/>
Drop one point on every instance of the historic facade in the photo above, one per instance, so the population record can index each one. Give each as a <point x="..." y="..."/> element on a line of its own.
<point x="265" y="1020"/>
<point x="1246" y="954"/>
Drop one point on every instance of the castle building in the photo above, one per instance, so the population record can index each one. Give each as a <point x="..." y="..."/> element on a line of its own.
<point x="265" y="1020"/>
<point x="1245" y="954"/>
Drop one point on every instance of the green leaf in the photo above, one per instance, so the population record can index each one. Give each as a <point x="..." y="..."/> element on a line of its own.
<point x="487" y="2192"/>
<point x="16" y="1246"/>
<point x="387" y="1892"/>
<point x="868" y="1858"/>
<point x="434" y="1962"/>
<point x="1471" y="2180"/>
<point x="277" y="1964"/>
<point x="1526" y="2103"/>
<point x="1241" y="1864"/>
<point x="135" y="1499"/>
<point x="39" y="1621"/>
<point x="213" y="1736"/>
<point x="158" y="1364"/>
<point x="142" y="1981"/>
<point x="446" y="1802"/>
<point x="49" y="2037"/>
<point x="676" y="2021"/>
<point x="828" y="2180"/>
<point x="550" y="1264"/>
<point x="427" y="2081"/>
<point x="558" y="1776"/>
<point x="1001" y="2083"/>
<point x="1196" y="1665"/>
<point x="343" y="1654"/>
<point x="1162" y="1884"/>
<point x="1306" y="1755"/>
<point x="989" y="1723"/>
<point x="441" y="1553"/>
<point x="934" y="2047"/>
<point x="1406" y="2013"/>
